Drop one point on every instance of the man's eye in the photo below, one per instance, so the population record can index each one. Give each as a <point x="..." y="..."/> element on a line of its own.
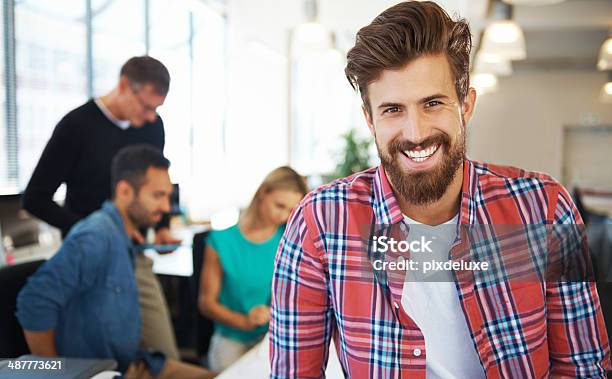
<point x="391" y="110"/>
<point x="432" y="103"/>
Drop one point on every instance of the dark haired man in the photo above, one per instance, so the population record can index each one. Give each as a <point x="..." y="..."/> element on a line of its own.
<point x="83" y="302"/>
<point x="79" y="154"/>
<point x="411" y="67"/>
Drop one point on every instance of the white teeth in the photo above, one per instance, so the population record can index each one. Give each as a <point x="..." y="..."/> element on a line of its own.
<point x="421" y="155"/>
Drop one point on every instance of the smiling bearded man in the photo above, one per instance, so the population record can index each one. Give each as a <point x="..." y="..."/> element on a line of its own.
<point x="423" y="186"/>
<point x="433" y="162"/>
<point x="411" y="68"/>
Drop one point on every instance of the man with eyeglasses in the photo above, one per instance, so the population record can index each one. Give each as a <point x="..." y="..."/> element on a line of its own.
<point x="79" y="154"/>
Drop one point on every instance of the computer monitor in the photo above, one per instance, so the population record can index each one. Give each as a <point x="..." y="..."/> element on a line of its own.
<point x="16" y="223"/>
<point x="175" y="204"/>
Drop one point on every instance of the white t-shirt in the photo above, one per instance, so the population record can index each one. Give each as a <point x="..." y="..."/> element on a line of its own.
<point x="123" y="124"/>
<point x="434" y="306"/>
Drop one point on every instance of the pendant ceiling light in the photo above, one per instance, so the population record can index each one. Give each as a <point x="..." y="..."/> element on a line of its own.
<point x="533" y="2"/>
<point x="492" y="64"/>
<point x="310" y="37"/>
<point x="606" y="93"/>
<point x="504" y="37"/>
<point x="604" y="62"/>
<point x="484" y="83"/>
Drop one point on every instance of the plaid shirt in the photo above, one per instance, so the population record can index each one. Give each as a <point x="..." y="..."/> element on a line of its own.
<point x="519" y="331"/>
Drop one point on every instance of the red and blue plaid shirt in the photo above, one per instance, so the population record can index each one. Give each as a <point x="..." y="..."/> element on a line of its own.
<point x="519" y="331"/>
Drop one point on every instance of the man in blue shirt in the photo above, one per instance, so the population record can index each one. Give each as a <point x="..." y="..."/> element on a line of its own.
<point x="83" y="302"/>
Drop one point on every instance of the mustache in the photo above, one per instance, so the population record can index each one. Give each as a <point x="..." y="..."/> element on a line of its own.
<point x="397" y="145"/>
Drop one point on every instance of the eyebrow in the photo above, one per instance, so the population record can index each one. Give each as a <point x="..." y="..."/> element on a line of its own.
<point x="421" y="101"/>
<point x="433" y="97"/>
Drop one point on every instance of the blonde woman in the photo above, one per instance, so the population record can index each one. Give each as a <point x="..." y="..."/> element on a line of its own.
<point x="238" y="267"/>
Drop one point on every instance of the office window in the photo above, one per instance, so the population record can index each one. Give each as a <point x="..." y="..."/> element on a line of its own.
<point x="170" y="43"/>
<point x="208" y="114"/>
<point x="4" y="146"/>
<point x="51" y="75"/>
<point x="188" y="37"/>
<point x="323" y="108"/>
<point x="52" y="78"/>
<point x="257" y="128"/>
<point x="118" y="33"/>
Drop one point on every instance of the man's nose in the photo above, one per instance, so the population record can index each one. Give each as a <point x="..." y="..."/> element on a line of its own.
<point x="165" y="205"/>
<point x="415" y="126"/>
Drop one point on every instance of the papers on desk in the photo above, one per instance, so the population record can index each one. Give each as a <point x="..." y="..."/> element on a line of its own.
<point x="180" y="261"/>
<point x="256" y="364"/>
<point x="177" y="263"/>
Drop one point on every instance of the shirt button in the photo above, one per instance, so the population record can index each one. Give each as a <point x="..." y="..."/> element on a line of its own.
<point x="396" y="305"/>
<point x="416" y="352"/>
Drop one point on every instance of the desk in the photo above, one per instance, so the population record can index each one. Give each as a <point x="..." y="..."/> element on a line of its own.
<point x="177" y="263"/>
<point x="180" y="261"/>
<point x="33" y="253"/>
<point x="71" y="368"/>
<point x="256" y="364"/>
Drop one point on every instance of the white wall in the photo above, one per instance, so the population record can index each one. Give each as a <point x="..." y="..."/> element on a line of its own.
<point x="256" y="128"/>
<point x="522" y="124"/>
<point x="258" y="108"/>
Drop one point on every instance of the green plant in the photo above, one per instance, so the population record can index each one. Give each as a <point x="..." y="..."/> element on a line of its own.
<point x="355" y="156"/>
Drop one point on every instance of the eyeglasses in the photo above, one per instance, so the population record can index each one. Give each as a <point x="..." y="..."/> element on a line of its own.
<point x="147" y="108"/>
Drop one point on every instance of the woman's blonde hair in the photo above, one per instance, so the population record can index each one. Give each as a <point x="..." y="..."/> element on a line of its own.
<point x="282" y="178"/>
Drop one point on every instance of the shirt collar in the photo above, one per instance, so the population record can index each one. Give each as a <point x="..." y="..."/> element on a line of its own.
<point x="122" y="124"/>
<point x="111" y="209"/>
<point x="387" y="210"/>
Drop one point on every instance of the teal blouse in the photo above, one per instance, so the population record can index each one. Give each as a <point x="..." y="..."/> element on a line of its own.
<point x="247" y="276"/>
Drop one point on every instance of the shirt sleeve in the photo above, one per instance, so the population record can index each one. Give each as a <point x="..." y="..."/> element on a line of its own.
<point x="71" y="270"/>
<point x="302" y="321"/>
<point x="577" y="339"/>
<point x="213" y="240"/>
<point x="53" y="168"/>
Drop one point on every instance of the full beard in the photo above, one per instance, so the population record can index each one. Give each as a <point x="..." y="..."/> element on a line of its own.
<point x="139" y="216"/>
<point x="427" y="186"/>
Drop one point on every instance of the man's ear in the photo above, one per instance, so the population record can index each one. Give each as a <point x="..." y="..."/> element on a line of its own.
<point x="467" y="108"/>
<point x="368" y="119"/>
<point x="124" y="191"/>
<point x="124" y="84"/>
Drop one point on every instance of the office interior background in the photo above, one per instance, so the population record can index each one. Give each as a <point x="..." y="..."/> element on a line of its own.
<point x="260" y="84"/>
<point x="256" y="85"/>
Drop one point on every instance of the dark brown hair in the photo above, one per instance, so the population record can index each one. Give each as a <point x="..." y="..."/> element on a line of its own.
<point x="147" y="70"/>
<point x="403" y="33"/>
<point x="132" y="162"/>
